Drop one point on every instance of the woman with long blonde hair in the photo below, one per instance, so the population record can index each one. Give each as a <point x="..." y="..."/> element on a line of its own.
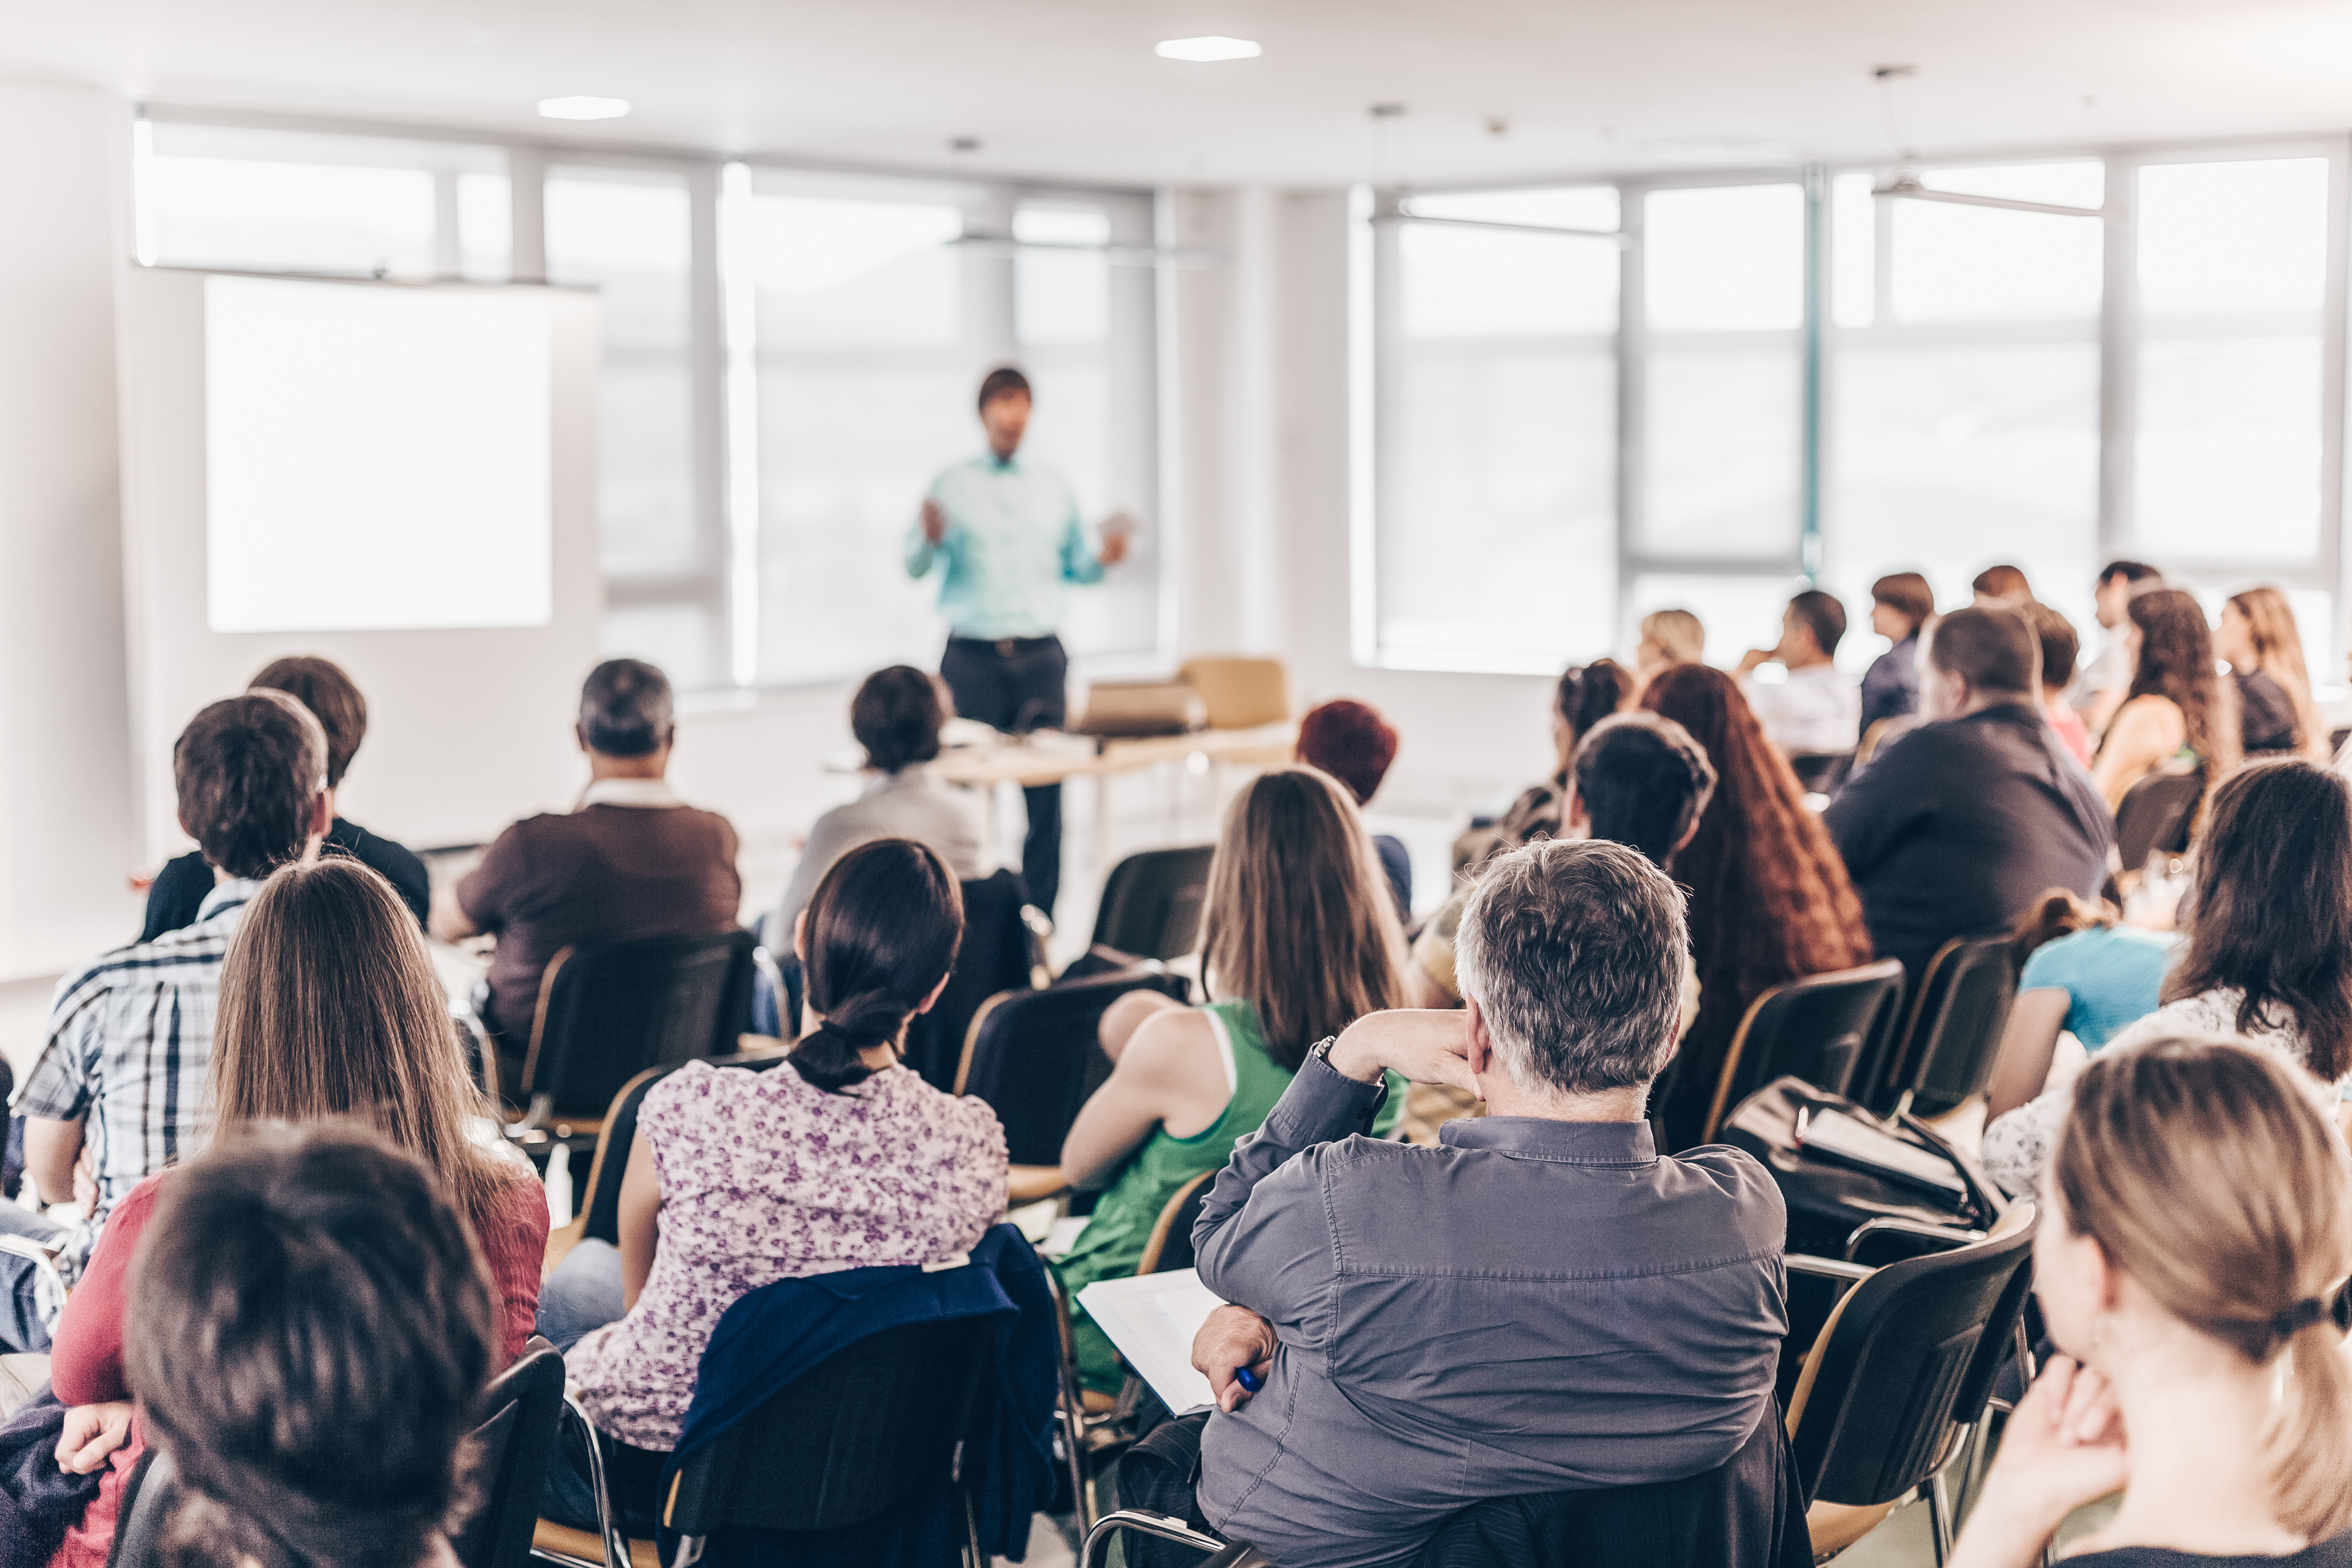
<point x="1298" y="939"/>
<point x="2257" y="637"/>
<point x="2199" y="1227"/>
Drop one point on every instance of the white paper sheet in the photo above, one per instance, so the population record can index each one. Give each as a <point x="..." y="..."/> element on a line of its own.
<point x="1152" y="1319"/>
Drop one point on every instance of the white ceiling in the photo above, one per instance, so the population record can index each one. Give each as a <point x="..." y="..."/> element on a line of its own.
<point x="1070" y="87"/>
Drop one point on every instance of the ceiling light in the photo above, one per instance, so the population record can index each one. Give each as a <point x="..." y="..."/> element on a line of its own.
<point x="583" y="107"/>
<point x="1215" y="46"/>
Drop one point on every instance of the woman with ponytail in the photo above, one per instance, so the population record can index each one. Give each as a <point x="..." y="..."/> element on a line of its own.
<point x="2198" y="1232"/>
<point x="841" y="1158"/>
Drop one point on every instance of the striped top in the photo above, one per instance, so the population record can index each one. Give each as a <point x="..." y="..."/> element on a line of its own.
<point x="130" y="1037"/>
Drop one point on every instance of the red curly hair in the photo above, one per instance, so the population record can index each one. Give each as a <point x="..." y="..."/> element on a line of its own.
<point x="1769" y="897"/>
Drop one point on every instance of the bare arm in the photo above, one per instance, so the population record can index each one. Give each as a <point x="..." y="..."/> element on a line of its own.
<point x="2143" y="735"/>
<point x="51" y="1150"/>
<point x="640" y="1219"/>
<point x="1167" y="1075"/>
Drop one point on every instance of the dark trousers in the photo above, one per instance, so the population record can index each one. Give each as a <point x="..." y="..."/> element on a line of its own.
<point x="1019" y="684"/>
<point x="1162" y="1474"/>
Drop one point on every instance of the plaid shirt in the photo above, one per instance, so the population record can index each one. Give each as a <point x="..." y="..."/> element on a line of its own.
<point x="130" y="1037"/>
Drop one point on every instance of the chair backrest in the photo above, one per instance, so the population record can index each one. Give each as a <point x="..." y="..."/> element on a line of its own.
<point x="612" y="1010"/>
<point x="601" y="1216"/>
<point x="2027" y="1046"/>
<point x="143" y="1511"/>
<point x="1034" y="1056"/>
<point x="1152" y="902"/>
<point x="1820" y="772"/>
<point x="1169" y="1247"/>
<point x="1953" y="1035"/>
<point x="511" y="1446"/>
<point x="2156" y="814"/>
<point x="995" y="956"/>
<point x="1816" y="1028"/>
<point x="1239" y="693"/>
<point x="1902" y="1360"/>
<point x="843" y="1442"/>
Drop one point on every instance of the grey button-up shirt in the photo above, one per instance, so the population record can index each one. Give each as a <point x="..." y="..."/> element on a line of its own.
<point x="1534" y="1306"/>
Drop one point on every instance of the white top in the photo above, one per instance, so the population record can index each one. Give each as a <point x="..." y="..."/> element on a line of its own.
<point x="650" y="794"/>
<point x="1817" y="709"/>
<point x="912" y="803"/>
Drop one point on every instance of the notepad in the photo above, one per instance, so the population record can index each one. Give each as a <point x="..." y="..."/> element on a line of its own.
<point x="1151" y="1318"/>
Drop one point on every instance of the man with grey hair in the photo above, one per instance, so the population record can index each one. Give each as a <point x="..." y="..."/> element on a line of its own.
<point x="1541" y="1302"/>
<point x="631" y="860"/>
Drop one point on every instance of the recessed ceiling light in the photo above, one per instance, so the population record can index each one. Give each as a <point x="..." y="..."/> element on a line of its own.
<point x="1215" y="46"/>
<point x="583" y="107"/>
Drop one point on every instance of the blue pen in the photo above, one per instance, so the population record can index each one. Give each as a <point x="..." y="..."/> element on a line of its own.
<point x="1248" y="1379"/>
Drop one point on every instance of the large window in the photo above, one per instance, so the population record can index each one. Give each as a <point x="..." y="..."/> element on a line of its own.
<point x="1811" y="381"/>
<point x="788" y="358"/>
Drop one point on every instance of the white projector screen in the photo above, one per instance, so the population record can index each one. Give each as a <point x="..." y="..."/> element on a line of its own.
<point x="376" y="459"/>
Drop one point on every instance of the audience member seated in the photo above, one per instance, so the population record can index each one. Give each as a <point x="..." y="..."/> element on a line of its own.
<point x="2268" y="955"/>
<point x="2060" y="649"/>
<point x="839" y="1159"/>
<point x="2104" y="681"/>
<point x="2113" y="974"/>
<point x="116" y="1093"/>
<point x="2001" y="587"/>
<point x="310" y="1336"/>
<point x="1640" y="781"/>
<point x="1297" y="940"/>
<point x="330" y="1008"/>
<point x="1818" y="709"/>
<point x="2177" y="708"/>
<point x="1354" y="745"/>
<point x="1900" y="604"/>
<point x="1541" y="1302"/>
<point x="632" y="861"/>
<point x="2198" y="1228"/>
<point x="1770" y="899"/>
<point x="1668" y="638"/>
<point x="320" y="685"/>
<point x="1585" y="696"/>
<point x="1959" y="825"/>
<point x="2258" y="641"/>
<point x="896" y="717"/>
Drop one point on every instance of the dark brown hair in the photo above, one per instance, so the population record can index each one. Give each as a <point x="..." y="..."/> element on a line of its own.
<point x="1298" y="921"/>
<point x="1770" y="899"/>
<point x="309" y="1335"/>
<point x="1644" y="782"/>
<point x="1350" y="740"/>
<point x="246" y="769"/>
<point x="1003" y="382"/>
<point x="627" y="708"/>
<point x="2060" y="647"/>
<point x="1907" y="594"/>
<point x="1994" y="650"/>
<point x="2176" y="662"/>
<point x="329" y="1006"/>
<point x="2055" y="914"/>
<point x="1824" y="616"/>
<point x="2003" y="582"/>
<point x="884" y="926"/>
<point x="1588" y="693"/>
<point x="897" y="716"/>
<point x="320" y="684"/>
<point x="2269" y="911"/>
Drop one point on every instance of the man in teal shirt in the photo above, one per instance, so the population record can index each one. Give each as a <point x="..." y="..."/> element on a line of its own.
<point x="1010" y="534"/>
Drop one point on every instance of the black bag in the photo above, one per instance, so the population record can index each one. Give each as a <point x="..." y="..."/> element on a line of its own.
<point x="1828" y="1198"/>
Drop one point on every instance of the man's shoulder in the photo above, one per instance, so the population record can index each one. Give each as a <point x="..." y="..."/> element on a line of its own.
<point x="191" y="953"/>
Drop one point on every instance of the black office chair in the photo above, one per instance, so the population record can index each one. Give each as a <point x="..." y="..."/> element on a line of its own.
<point x="1818" y="1028"/>
<point x="998" y="954"/>
<point x="1952" y="1038"/>
<point x="515" y="1435"/>
<point x="1820" y="772"/>
<point x="2157" y="813"/>
<point x="1034" y="1056"/>
<point x="144" y="1512"/>
<point x="1151" y="904"/>
<point x="608" y="1011"/>
<point x="1903" y="1368"/>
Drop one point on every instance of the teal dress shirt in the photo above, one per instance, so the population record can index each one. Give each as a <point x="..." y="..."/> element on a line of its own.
<point x="1014" y="538"/>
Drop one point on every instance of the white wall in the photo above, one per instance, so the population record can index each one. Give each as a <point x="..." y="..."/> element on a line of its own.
<point x="66" y="800"/>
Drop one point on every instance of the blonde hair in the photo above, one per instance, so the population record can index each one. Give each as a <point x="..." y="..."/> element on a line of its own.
<point x="1298" y="921"/>
<point x="2278" y="653"/>
<point x="1678" y="632"/>
<point x="329" y="1006"/>
<point x="2203" y="1171"/>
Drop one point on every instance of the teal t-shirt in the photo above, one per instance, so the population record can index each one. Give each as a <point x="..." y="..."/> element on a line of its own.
<point x="2113" y="974"/>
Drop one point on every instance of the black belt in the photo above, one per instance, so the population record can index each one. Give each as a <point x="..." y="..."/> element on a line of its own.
<point x="1005" y="647"/>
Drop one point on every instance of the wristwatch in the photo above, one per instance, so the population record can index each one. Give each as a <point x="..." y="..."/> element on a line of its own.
<point x="1321" y="1050"/>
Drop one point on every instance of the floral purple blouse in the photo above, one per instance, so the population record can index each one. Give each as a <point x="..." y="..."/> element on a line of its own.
<point x="766" y="1177"/>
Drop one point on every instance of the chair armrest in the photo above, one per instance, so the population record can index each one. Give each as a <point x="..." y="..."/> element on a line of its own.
<point x="1828" y="1267"/>
<point x="1157" y="1524"/>
<point x="1944" y="1237"/>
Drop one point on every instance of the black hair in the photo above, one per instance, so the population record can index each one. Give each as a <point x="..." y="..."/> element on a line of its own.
<point x="897" y="716"/>
<point x="309" y="1336"/>
<point x="1823" y="614"/>
<point x="883" y="926"/>
<point x="246" y="771"/>
<point x="626" y="708"/>
<point x="2129" y="571"/>
<point x="1588" y="693"/>
<point x="1644" y="782"/>
<point x="1003" y="382"/>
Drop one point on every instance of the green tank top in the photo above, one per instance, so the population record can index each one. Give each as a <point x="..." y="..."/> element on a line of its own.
<point x="1112" y="1244"/>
